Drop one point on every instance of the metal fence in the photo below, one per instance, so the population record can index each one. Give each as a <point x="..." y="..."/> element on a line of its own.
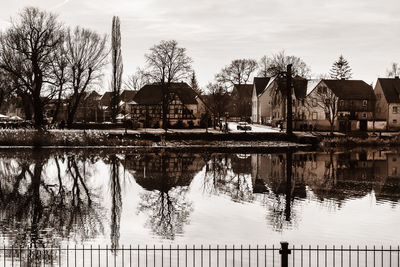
<point x="202" y="256"/>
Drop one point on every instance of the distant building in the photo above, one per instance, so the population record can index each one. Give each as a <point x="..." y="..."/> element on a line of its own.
<point x="185" y="105"/>
<point x="387" y="92"/>
<point x="355" y="106"/>
<point x="259" y="110"/>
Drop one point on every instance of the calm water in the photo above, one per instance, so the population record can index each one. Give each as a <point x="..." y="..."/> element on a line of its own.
<point x="102" y="197"/>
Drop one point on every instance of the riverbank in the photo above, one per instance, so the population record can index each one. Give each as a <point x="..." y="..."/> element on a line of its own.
<point x="157" y="139"/>
<point x="361" y="141"/>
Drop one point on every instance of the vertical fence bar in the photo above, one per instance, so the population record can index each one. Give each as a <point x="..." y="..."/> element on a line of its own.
<point x="265" y="255"/>
<point x="154" y="256"/>
<point x="123" y="256"/>
<point x="241" y="255"/>
<point x="334" y="255"/>
<point x="226" y="256"/>
<point x="249" y="257"/>
<point x="138" y="255"/>
<point x="233" y="255"/>
<point x="382" y="256"/>
<point x="374" y="256"/>
<point x="67" y="255"/>
<point x="358" y="257"/>
<point x="194" y="256"/>
<point x="146" y="255"/>
<point x="284" y="251"/>
<point x="301" y="252"/>
<point x="317" y="256"/>
<point x="185" y="255"/>
<point x="130" y="255"/>
<point x="201" y="253"/>
<point x="366" y="256"/>
<point x="390" y="256"/>
<point x="209" y="255"/>
<point x="349" y="256"/>
<point x="309" y="256"/>
<point x="177" y="252"/>
<point x="98" y="252"/>
<point x="217" y="255"/>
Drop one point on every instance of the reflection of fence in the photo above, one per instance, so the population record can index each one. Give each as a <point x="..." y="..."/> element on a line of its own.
<point x="202" y="256"/>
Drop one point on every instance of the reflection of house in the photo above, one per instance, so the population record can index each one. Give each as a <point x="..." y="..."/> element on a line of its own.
<point x="355" y="105"/>
<point x="338" y="175"/>
<point x="184" y="106"/>
<point x="259" y="109"/>
<point x="162" y="171"/>
<point x="387" y="92"/>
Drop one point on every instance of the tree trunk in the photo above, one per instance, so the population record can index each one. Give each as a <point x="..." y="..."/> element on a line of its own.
<point x="55" y="115"/>
<point x="38" y="111"/>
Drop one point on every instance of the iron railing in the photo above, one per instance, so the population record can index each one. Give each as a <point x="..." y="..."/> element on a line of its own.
<point x="202" y="256"/>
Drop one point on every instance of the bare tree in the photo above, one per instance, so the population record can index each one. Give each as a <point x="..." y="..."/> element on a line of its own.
<point x="394" y="70"/>
<point x="87" y="54"/>
<point x="117" y="67"/>
<point x="340" y="69"/>
<point x="325" y="99"/>
<point x="27" y="51"/>
<point x="136" y="80"/>
<point x="218" y="99"/>
<point x="263" y="67"/>
<point x="277" y="63"/>
<point x="60" y="76"/>
<point x="167" y="63"/>
<point x="239" y="71"/>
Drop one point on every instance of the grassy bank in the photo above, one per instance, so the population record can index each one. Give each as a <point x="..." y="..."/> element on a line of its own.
<point x="119" y="138"/>
<point x="369" y="141"/>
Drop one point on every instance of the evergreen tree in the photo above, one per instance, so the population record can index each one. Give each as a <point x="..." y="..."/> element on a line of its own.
<point x="117" y="67"/>
<point x="340" y="69"/>
<point x="194" y="84"/>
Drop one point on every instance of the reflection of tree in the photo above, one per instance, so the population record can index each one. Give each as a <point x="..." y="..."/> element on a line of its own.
<point x="167" y="177"/>
<point x="116" y="207"/>
<point x="229" y="175"/>
<point x="41" y="207"/>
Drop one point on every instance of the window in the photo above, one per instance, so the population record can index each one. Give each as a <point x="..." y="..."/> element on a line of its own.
<point x="327" y="115"/>
<point x="394" y="121"/>
<point x="394" y="110"/>
<point x="314" y="116"/>
<point x="365" y="102"/>
<point x="364" y="115"/>
<point x="341" y="103"/>
<point x="302" y="102"/>
<point x="176" y="111"/>
<point x="314" y="102"/>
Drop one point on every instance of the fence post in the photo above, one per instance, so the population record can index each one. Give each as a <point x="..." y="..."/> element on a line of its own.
<point x="285" y="251"/>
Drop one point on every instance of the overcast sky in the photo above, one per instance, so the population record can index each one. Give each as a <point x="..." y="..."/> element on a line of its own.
<point x="366" y="32"/>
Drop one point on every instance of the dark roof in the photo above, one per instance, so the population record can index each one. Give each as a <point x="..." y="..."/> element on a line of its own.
<point x="243" y="90"/>
<point x="106" y="99"/>
<point x="299" y="86"/>
<point x="151" y="94"/>
<point x="127" y="95"/>
<point x="350" y="89"/>
<point x="260" y="83"/>
<point x="391" y="89"/>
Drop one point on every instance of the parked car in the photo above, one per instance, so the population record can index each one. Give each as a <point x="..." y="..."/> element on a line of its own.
<point x="243" y="126"/>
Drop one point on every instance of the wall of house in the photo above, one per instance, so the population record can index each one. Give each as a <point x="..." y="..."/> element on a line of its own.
<point x="381" y="105"/>
<point x="265" y="106"/>
<point x="393" y="116"/>
<point x="254" y="107"/>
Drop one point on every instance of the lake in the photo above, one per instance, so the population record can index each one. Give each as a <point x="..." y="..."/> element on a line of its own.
<point x="96" y="197"/>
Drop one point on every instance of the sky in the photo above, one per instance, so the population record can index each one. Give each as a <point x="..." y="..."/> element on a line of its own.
<point x="366" y="32"/>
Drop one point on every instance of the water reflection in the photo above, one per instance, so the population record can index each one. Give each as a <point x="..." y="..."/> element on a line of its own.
<point x="40" y="209"/>
<point x="166" y="178"/>
<point x="47" y="197"/>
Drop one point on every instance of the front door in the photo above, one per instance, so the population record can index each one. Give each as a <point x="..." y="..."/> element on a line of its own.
<point x="363" y="125"/>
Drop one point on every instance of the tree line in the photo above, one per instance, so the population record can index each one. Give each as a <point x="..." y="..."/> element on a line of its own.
<point x="42" y="60"/>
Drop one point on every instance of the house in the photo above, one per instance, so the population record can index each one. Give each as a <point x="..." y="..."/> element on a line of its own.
<point x="125" y="98"/>
<point x="259" y="107"/>
<point x="240" y="107"/>
<point x="274" y="97"/>
<point x="185" y="105"/>
<point x="387" y="92"/>
<point x="355" y="104"/>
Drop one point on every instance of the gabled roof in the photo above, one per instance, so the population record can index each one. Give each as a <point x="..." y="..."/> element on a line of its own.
<point x="311" y="84"/>
<point x="391" y="89"/>
<point x="260" y="83"/>
<point x="151" y="94"/>
<point x="243" y="90"/>
<point x="350" y="89"/>
<point x="106" y="98"/>
<point x="127" y="95"/>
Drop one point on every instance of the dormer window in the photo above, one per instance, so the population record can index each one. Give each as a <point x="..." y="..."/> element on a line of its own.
<point x="365" y="102"/>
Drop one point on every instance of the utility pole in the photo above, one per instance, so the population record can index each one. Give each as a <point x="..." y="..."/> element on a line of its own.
<point x="289" y="113"/>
